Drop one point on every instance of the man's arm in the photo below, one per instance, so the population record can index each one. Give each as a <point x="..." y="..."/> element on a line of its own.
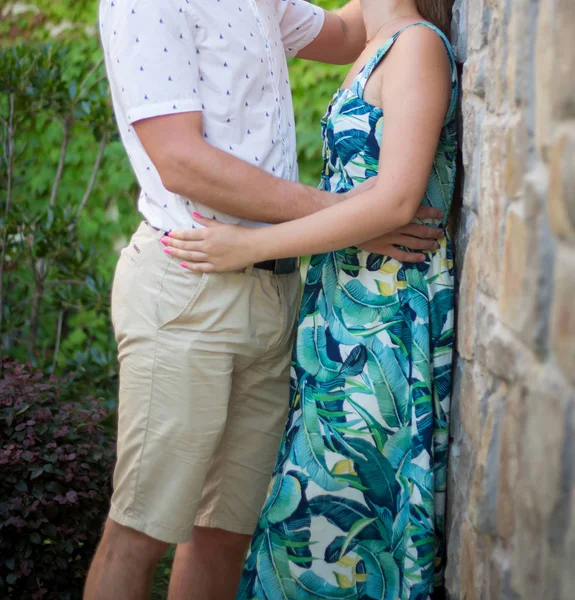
<point x="415" y="110"/>
<point x="341" y="39"/>
<point x="191" y="167"/>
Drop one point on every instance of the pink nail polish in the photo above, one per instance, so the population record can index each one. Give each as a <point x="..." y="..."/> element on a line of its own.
<point x="164" y="241"/>
<point x="197" y="215"/>
<point x="168" y="250"/>
<point x="183" y="265"/>
<point x="170" y="234"/>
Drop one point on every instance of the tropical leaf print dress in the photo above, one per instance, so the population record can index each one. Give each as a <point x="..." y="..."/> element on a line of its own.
<point x="356" y="505"/>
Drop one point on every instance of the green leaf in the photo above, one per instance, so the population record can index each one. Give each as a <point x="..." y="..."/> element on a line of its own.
<point x="273" y="568"/>
<point x="356" y="528"/>
<point x="283" y="500"/>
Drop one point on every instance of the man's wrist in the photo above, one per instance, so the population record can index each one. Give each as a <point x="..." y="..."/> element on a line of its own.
<point x="329" y="199"/>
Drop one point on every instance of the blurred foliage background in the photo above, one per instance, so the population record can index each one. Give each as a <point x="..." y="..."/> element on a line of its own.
<point x="68" y="195"/>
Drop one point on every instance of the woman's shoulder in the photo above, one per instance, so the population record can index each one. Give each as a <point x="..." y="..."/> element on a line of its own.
<point x="422" y="36"/>
<point x="419" y="44"/>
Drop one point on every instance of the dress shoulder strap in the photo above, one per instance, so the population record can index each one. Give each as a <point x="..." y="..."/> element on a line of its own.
<point x="361" y="80"/>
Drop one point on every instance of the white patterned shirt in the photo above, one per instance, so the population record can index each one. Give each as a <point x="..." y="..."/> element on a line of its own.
<point x="226" y="58"/>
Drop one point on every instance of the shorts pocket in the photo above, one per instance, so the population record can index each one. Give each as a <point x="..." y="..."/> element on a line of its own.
<point x="179" y="293"/>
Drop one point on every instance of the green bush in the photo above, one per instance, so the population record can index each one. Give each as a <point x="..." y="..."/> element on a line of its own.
<point x="68" y="201"/>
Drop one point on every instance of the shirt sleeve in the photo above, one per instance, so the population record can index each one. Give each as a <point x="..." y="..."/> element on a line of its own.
<point x="300" y="24"/>
<point x="152" y="57"/>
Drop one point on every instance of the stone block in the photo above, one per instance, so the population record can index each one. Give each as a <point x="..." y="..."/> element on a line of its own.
<point x="508" y="463"/>
<point x="515" y="63"/>
<point x="473" y="115"/>
<point x="496" y="61"/>
<point x="505" y="355"/>
<point x="468" y="562"/>
<point x="474" y="74"/>
<point x="545" y="74"/>
<point x="564" y="67"/>
<point x="561" y="206"/>
<point x="515" y="269"/>
<point x="483" y="496"/>
<point x="466" y="225"/>
<point x="541" y="443"/>
<point x="494" y="575"/>
<point x="459" y="30"/>
<point x="527" y="571"/>
<point x="567" y="581"/>
<point x="516" y="151"/>
<point x="491" y="206"/>
<point x="527" y="265"/>
<point x="498" y="351"/>
<point x="466" y="332"/>
<point x="563" y="313"/>
<point x="465" y="391"/>
<point x="478" y="23"/>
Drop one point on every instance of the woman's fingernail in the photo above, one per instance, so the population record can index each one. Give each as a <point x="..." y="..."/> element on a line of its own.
<point x="197" y="215"/>
<point x="164" y="241"/>
<point x="184" y="265"/>
<point x="168" y="250"/>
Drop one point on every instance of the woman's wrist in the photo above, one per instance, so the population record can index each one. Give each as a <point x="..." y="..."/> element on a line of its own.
<point x="257" y="245"/>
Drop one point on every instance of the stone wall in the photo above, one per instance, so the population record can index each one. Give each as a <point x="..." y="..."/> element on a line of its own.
<point x="512" y="466"/>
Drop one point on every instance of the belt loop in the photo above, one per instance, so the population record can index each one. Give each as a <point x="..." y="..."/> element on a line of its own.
<point x="248" y="270"/>
<point x="157" y="233"/>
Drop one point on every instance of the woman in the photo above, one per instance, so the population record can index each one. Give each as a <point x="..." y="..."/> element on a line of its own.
<point x="356" y="505"/>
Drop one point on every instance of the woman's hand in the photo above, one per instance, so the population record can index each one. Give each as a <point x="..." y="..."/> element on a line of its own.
<point x="214" y="248"/>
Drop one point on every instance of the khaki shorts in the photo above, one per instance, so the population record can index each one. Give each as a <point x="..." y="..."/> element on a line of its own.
<point x="204" y="386"/>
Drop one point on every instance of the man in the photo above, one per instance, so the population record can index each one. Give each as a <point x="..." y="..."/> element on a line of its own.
<point x="201" y="94"/>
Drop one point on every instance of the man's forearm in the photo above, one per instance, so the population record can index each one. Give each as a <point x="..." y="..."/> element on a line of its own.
<point x="353" y="25"/>
<point x="230" y="185"/>
<point x="341" y="39"/>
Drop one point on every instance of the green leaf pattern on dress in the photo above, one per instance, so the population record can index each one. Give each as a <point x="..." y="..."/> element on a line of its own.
<point x="355" y="508"/>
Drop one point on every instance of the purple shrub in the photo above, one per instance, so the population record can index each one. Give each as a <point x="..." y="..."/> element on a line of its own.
<point x="55" y="468"/>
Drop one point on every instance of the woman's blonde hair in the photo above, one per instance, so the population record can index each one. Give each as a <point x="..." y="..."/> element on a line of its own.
<point x="437" y="12"/>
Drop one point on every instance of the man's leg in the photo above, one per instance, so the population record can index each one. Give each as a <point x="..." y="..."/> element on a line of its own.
<point x="208" y="567"/>
<point x="124" y="565"/>
<point x="171" y="415"/>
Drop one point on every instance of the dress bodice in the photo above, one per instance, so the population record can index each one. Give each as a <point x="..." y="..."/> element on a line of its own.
<point x="352" y="130"/>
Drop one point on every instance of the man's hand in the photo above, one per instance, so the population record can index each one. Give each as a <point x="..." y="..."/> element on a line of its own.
<point x="412" y="236"/>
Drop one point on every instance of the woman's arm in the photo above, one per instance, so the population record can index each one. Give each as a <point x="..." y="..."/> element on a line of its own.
<point x="415" y="97"/>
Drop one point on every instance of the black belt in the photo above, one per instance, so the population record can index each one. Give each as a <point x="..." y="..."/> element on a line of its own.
<point x="282" y="266"/>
